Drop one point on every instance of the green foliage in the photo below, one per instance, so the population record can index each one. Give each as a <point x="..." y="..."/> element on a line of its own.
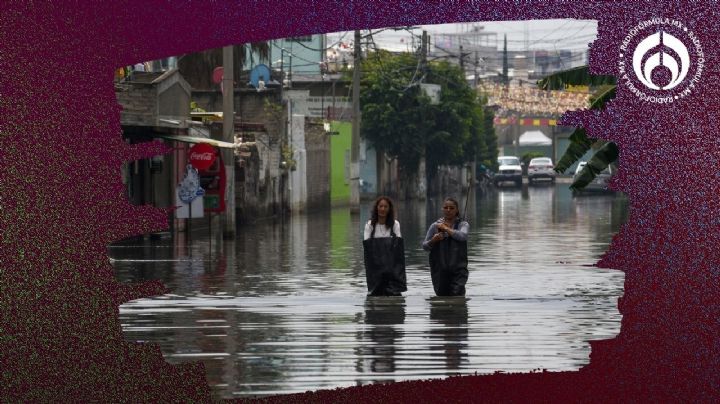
<point x="286" y="153"/>
<point x="526" y="157"/>
<point x="398" y="119"/>
<point x="580" y="143"/>
<point x="489" y="156"/>
<point x="602" y="158"/>
<point x="577" y="76"/>
<point x="272" y="108"/>
<point x="602" y="95"/>
<point x="392" y="113"/>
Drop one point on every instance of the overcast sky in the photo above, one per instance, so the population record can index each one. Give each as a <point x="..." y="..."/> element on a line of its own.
<point x="540" y="34"/>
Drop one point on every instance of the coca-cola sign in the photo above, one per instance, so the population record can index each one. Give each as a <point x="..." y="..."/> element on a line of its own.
<point x="207" y="156"/>
<point x="202" y="156"/>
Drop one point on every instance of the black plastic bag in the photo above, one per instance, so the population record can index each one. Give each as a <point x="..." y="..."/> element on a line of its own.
<point x="385" y="266"/>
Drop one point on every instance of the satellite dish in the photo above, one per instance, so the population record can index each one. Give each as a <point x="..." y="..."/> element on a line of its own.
<point x="259" y="73"/>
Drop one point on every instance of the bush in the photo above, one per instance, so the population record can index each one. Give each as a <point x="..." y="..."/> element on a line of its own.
<point x="531" y="155"/>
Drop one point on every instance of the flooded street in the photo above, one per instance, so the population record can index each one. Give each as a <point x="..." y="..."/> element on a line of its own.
<point x="283" y="308"/>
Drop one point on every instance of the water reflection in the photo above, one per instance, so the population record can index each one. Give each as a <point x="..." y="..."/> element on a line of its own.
<point x="451" y="335"/>
<point x="341" y="238"/>
<point x="283" y="308"/>
<point x="383" y="317"/>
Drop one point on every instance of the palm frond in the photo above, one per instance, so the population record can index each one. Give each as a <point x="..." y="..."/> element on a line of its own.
<point x="577" y="76"/>
<point x="603" y="94"/>
<point x="599" y="161"/>
<point x="262" y="49"/>
<point x="579" y="145"/>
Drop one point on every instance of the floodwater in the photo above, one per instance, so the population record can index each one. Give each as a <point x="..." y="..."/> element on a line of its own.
<point x="283" y="308"/>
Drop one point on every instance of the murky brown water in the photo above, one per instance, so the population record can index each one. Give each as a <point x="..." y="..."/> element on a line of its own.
<point x="284" y="309"/>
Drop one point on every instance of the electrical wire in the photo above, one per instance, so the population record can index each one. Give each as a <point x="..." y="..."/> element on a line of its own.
<point x="310" y="62"/>
<point x="321" y="49"/>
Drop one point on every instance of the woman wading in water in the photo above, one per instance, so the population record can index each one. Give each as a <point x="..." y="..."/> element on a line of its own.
<point x="446" y="240"/>
<point x="384" y="251"/>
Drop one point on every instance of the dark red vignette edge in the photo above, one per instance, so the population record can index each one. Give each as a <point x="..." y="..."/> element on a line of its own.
<point x="60" y="334"/>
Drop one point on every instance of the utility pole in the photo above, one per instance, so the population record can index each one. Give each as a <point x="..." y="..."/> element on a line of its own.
<point x="424" y="50"/>
<point x="477" y="62"/>
<point x="505" y="77"/>
<point x="423" y="61"/>
<point x="228" y="155"/>
<point x="355" y="138"/>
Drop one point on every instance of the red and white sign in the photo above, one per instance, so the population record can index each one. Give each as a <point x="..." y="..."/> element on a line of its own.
<point x="201" y="156"/>
<point x="217" y="75"/>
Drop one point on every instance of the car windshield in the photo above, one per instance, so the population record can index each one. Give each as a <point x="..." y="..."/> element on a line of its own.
<point x="509" y="161"/>
<point x="540" y="161"/>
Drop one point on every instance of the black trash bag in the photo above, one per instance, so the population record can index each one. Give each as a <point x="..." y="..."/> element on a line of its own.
<point x="448" y="266"/>
<point x="385" y="266"/>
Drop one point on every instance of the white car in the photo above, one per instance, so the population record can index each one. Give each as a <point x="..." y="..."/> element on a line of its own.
<point x="600" y="183"/>
<point x="509" y="169"/>
<point x="541" y="168"/>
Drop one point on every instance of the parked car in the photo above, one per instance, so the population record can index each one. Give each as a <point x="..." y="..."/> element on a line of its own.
<point x="541" y="168"/>
<point x="509" y="169"/>
<point x="599" y="184"/>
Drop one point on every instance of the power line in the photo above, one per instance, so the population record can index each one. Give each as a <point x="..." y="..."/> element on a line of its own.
<point x="294" y="55"/>
<point x="321" y="49"/>
<point x="383" y="68"/>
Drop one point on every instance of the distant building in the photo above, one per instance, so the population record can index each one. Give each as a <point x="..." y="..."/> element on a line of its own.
<point x="479" y="50"/>
<point x="483" y="56"/>
<point x="154" y="104"/>
<point x="303" y="55"/>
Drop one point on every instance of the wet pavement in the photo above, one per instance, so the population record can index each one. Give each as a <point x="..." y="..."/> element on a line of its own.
<point x="283" y="308"/>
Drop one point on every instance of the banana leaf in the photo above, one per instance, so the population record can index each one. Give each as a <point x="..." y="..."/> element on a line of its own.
<point x="603" y="94"/>
<point x="580" y="143"/>
<point x="600" y="160"/>
<point x="577" y="76"/>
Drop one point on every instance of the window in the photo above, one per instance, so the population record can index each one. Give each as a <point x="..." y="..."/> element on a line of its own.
<point x="509" y="161"/>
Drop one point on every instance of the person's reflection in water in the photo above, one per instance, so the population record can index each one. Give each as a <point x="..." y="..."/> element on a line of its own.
<point x="449" y="330"/>
<point x="383" y="319"/>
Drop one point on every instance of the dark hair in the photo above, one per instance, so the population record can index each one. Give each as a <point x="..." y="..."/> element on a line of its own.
<point x="390" y="220"/>
<point x="457" y="205"/>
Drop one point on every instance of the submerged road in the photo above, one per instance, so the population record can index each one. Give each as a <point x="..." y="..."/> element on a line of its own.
<point x="283" y="308"/>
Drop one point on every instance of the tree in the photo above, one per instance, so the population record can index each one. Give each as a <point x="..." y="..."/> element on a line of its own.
<point x="605" y="153"/>
<point x="395" y="119"/>
<point x="453" y="137"/>
<point x="488" y="157"/>
<point x="526" y="157"/>
<point x="400" y="120"/>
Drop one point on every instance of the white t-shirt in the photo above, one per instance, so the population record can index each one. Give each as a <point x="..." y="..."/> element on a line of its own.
<point x="381" y="230"/>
